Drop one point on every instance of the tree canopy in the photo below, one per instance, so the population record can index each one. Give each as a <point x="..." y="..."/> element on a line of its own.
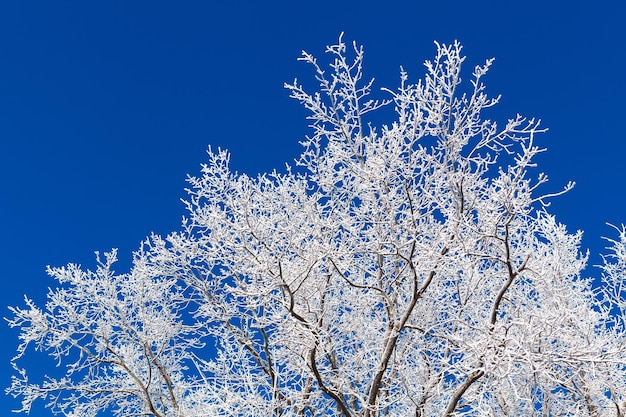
<point x="406" y="265"/>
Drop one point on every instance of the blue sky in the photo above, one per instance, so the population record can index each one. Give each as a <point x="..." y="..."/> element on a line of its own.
<point x="105" y="107"/>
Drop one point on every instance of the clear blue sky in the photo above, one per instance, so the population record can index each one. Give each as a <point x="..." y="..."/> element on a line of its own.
<point x="106" y="106"/>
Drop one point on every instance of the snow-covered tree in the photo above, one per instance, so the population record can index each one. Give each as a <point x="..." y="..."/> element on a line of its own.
<point x="403" y="267"/>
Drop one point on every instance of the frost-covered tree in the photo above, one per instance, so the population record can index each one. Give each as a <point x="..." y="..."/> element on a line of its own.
<point x="403" y="267"/>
